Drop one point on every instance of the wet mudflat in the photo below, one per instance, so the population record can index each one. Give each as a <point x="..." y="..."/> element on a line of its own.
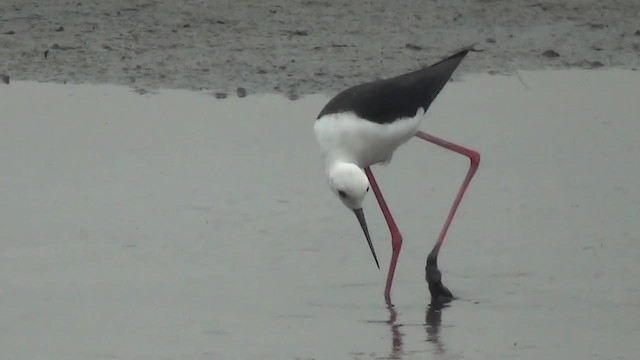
<point x="178" y="226"/>
<point x="303" y="47"/>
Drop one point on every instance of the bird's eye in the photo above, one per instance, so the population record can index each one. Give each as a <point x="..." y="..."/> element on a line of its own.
<point x="342" y="194"/>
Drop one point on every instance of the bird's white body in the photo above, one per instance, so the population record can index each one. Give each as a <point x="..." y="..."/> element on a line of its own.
<point x="349" y="144"/>
<point x="344" y="137"/>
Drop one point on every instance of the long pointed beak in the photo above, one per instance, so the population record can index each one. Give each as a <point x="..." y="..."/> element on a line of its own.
<point x="360" y="215"/>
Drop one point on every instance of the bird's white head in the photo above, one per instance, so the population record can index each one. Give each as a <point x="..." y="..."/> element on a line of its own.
<point x="349" y="182"/>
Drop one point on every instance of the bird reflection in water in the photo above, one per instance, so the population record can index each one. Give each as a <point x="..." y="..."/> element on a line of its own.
<point x="396" y="335"/>
<point x="433" y="320"/>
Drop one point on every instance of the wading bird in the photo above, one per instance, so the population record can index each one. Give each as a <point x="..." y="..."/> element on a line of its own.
<point x="363" y="126"/>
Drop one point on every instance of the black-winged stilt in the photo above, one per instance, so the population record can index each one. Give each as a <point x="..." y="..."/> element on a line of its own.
<point x="363" y="125"/>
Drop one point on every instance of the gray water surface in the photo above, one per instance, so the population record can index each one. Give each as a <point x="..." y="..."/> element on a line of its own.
<point x="178" y="226"/>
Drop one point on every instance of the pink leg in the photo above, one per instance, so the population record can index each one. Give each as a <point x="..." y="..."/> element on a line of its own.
<point x="396" y="237"/>
<point x="433" y="274"/>
<point x="474" y="156"/>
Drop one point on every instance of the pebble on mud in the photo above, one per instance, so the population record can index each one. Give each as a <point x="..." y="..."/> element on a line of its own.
<point x="241" y="92"/>
<point x="413" y="46"/>
<point x="296" y="32"/>
<point x="550" y="54"/>
<point x="10" y="32"/>
<point x="586" y="64"/>
<point x="4" y="78"/>
<point x="57" y="46"/>
<point x="59" y="29"/>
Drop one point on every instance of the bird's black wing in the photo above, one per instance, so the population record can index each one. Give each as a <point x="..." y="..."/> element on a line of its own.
<point x="384" y="101"/>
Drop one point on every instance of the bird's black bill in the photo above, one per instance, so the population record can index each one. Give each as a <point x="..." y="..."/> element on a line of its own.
<point x="360" y="215"/>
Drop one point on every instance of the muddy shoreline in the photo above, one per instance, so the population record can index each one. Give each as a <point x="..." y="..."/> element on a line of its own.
<point x="297" y="48"/>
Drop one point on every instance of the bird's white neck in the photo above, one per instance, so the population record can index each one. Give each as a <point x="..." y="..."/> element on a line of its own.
<point x="336" y="162"/>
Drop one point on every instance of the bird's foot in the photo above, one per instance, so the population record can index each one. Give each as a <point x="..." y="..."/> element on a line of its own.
<point x="439" y="292"/>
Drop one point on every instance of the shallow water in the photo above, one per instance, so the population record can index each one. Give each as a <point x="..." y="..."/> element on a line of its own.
<point x="178" y="226"/>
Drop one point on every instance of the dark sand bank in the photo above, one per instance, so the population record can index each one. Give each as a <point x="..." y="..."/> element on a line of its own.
<point x="301" y="47"/>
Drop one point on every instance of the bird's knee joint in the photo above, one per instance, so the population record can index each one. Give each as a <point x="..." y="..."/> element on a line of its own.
<point x="396" y="242"/>
<point x="474" y="156"/>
